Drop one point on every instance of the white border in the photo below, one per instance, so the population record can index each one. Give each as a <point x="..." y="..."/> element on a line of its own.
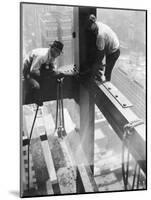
<point x="9" y="98"/>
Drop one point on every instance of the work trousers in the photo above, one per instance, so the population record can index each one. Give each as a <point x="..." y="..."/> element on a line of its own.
<point x="110" y="59"/>
<point x="31" y="91"/>
<point x="31" y="87"/>
<point x="110" y="62"/>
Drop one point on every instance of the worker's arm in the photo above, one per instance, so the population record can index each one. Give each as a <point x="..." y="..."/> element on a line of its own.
<point x="101" y="54"/>
<point x="100" y="43"/>
<point x="26" y="66"/>
<point x="35" y="67"/>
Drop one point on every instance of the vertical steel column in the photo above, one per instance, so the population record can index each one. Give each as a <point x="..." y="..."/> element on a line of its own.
<point x="86" y="95"/>
<point x="87" y="123"/>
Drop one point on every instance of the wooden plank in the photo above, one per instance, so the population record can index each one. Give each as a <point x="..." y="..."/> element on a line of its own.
<point x="49" y="187"/>
<point x="23" y="171"/>
<point x="48" y="121"/>
<point x="64" y="167"/>
<point x="82" y="171"/>
<point x="42" y="174"/>
<point x="68" y="156"/>
<point x="48" y="157"/>
<point x="79" y="184"/>
<point x="32" y="178"/>
<point x="91" y="177"/>
<point x="62" y="170"/>
<point x="52" y="184"/>
<point x="74" y="162"/>
<point x="69" y="124"/>
<point x="46" y="149"/>
<point x="85" y="179"/>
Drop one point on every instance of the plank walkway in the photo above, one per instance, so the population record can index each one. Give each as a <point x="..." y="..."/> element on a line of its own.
<point x="59" y="166"/>
<point x="55" y="168"/>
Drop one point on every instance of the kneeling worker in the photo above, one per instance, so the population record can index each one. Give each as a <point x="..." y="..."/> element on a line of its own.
<point x="36" y="61"/>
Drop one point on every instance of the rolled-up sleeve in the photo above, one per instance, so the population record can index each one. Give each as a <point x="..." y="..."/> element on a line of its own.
<point x="26" y="66"/>
<point x="100" y="43"/>
<point x="35" y="67"/>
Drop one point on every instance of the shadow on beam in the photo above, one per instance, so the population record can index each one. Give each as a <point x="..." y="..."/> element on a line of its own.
<point x="49" y="90"/>
<point x="118" y="117"/>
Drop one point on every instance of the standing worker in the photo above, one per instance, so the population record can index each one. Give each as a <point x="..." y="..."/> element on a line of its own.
<point x="39" y="61"/>
<point x="107" y="44"/>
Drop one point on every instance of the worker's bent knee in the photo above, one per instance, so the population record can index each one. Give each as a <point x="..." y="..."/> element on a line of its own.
<point x="34" y="84"/>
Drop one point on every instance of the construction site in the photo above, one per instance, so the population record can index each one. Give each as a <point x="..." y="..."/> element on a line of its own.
<point x="86" y="137"/>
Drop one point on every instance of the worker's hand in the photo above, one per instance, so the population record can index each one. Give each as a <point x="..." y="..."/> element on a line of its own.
<point x="35" y="73"/>
<point x="59" y="74"/>
<point x="34" y="84"/>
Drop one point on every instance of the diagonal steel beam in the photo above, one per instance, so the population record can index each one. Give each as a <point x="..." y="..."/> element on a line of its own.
<point x="118" y="116"/>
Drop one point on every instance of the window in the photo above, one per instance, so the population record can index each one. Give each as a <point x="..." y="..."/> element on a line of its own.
<point x="129" y="73"/>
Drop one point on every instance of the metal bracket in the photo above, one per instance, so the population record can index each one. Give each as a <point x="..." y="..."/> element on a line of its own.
<point x="128" y="128"/>
<point x="69" y="70"/>
<point x="120" y="98"/>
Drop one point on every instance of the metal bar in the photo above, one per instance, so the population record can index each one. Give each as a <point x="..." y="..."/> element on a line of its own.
<point x="125" y="103"/>
<point x="29" y="146"/>
<point x="61" y="94"/>
<point x="33" y="123"/>
<point x="138" y="178"/>
<point x="56" y="123"/>
<point x="86" y="43"/>
<point x="87" y="123"/>
<point x="134" y="177"/>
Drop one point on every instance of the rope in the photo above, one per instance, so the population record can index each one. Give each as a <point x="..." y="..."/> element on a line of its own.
<point x="29" y="145"/>
<point x="59" y="110"/>
<point x="56" y="124"/>
<point x="61" y="94"/>
<point x="128" y="131"/>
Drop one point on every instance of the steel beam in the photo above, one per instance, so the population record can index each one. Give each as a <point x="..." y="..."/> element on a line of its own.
<point x="86" y="100"/>
<point x="118" y="116"/>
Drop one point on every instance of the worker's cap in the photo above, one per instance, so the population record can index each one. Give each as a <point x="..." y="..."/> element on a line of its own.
<point x="92" y="18"/>
<point x="92" y="26"/>
<point x="58" y="45"/>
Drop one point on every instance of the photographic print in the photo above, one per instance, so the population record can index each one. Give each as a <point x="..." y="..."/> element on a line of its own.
<point x="83" y="99"/>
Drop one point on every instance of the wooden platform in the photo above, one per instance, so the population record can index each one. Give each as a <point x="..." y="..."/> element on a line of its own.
<point x="56" y="166"/>
<point x="60" y="166"/>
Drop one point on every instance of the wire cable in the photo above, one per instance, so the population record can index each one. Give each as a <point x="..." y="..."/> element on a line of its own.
<point x="128" y="131"/>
